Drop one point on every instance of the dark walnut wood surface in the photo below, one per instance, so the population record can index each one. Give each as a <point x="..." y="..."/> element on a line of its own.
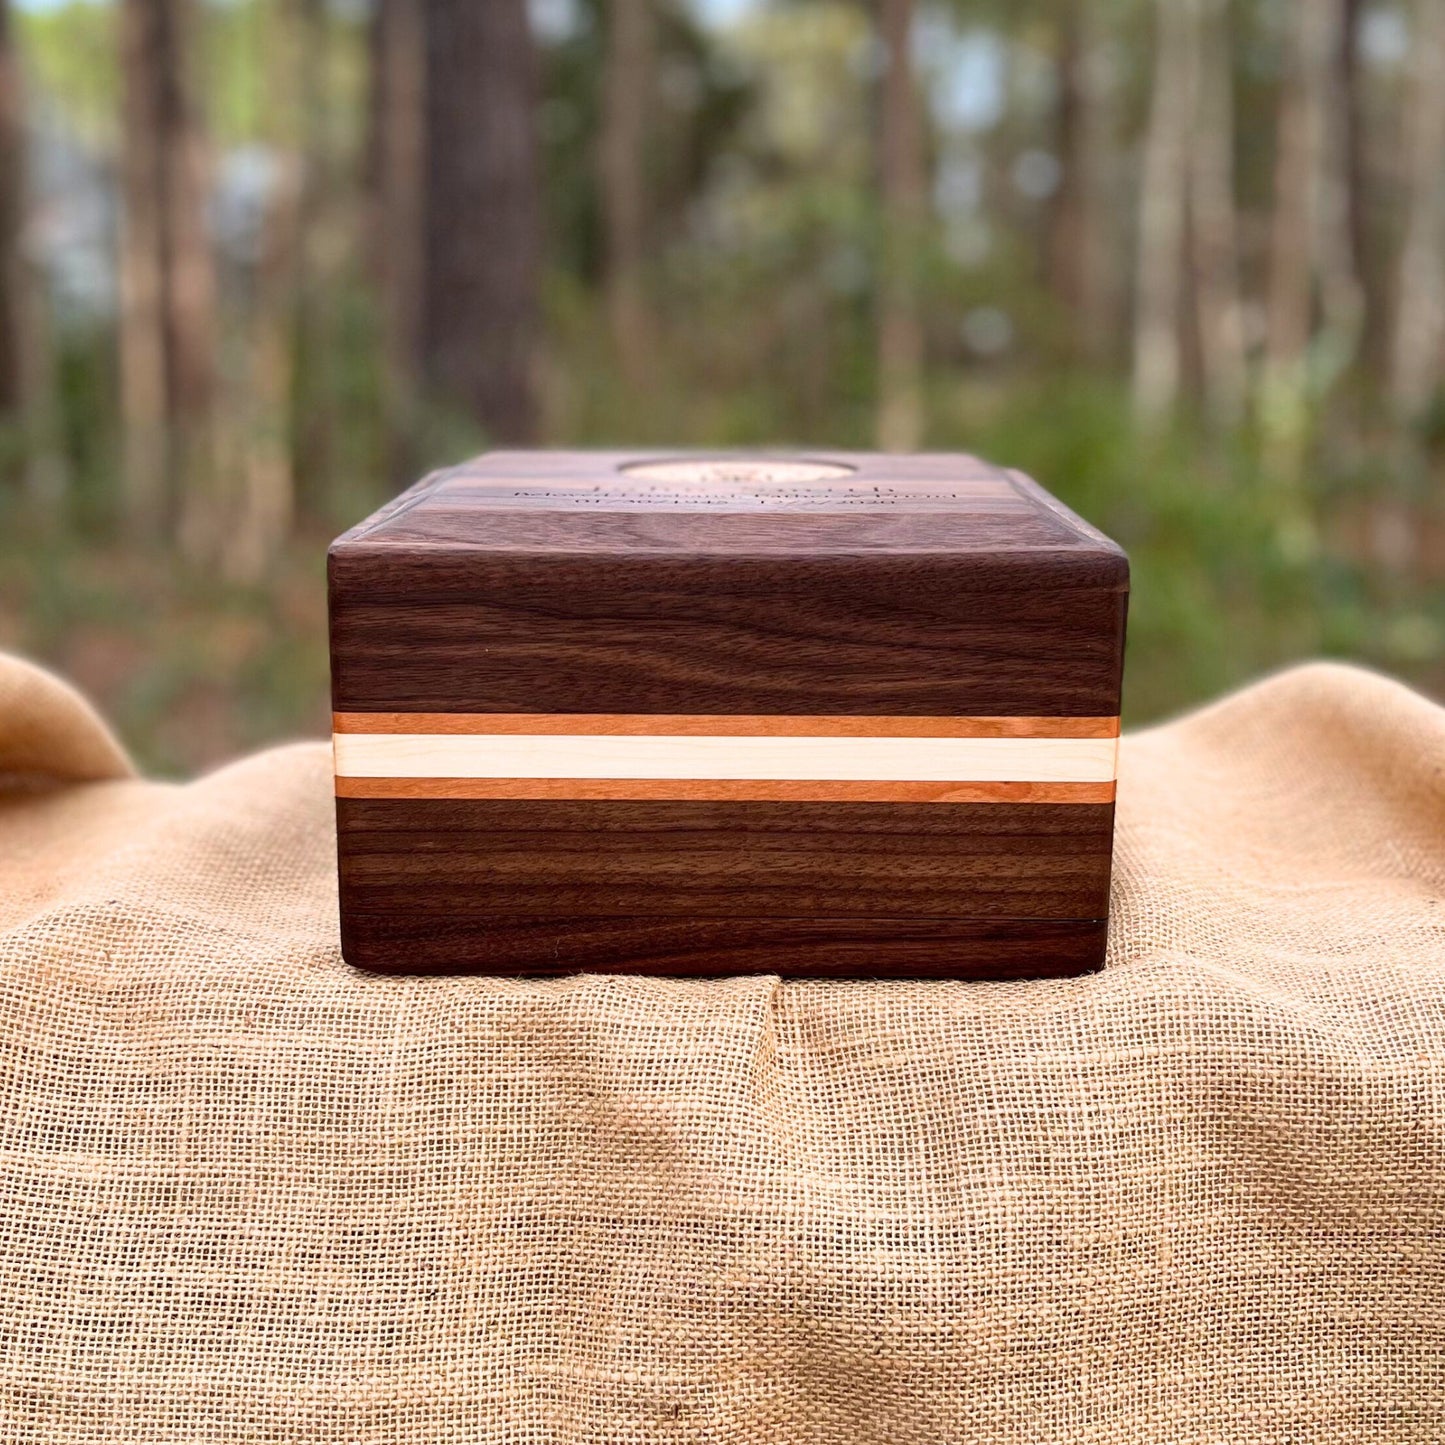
<point x="545" y="583"/>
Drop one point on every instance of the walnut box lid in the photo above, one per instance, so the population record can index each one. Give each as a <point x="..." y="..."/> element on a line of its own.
<point x="622" y="582"/>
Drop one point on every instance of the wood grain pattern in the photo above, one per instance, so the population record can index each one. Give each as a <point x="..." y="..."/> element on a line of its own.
<point x="741" y="635"/>
<point x="401" y="941"/>
<point x="914" y="609"/>
<point x="490" y="858"/>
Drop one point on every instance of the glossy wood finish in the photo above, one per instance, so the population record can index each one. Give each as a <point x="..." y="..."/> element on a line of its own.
<point x="527" y="603"/>
<point x="969" y="886"/>
<point x="995" y="860"/>
<point x="406" y="941"/>
<point x="444" y="631"/>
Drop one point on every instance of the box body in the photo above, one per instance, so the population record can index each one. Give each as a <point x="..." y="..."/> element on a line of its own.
<point x="837" y="715"/>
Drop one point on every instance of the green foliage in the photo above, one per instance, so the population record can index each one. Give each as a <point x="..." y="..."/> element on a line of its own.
<point x="71" y="50"/>
<point x="1316" y="528"/>
<point x="190" y="670"/>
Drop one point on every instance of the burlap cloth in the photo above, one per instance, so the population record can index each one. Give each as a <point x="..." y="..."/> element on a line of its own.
<point x="247" y="1194"/>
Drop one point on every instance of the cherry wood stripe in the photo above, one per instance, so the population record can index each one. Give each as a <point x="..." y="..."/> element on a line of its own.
<point x="723" y="725"/>
<point x="726" y="790"/>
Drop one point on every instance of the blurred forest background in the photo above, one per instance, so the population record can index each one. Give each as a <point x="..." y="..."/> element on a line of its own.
<point x="263" y="261"/>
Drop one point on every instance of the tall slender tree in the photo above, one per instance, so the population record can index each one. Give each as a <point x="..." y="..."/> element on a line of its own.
<point x="1214" y="244"/>
<point x="626" y="89"/>
<point x="33" y="453"/>
<point x="1342" y="294"/>
<point x="902" y="183"/>
<point x="143" y="343"/>
<point x="1310" y="258"/>
<point x="1355" y="181"/>
<point x="479" y="324"/>
<point x="1419" y="329"/>
<point x="1078" y="242"/>
<point x="168" y="283"/>
<point x="321" y="244"/>
<point x="12" y="217"/>
<point x="396" y="172"/>
<point x="1163" y="203"/>
<point x="266" y="461"/>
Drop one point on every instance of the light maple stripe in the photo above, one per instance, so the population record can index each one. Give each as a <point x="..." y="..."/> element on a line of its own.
<point x="818" y="759"/>
<point x="716" y="724"/>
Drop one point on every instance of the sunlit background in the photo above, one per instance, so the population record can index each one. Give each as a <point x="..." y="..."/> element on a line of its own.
<point x="264" y="261"/>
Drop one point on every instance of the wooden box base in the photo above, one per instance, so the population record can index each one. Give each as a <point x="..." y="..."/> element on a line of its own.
<point x="449" y="885"/>
<point x="966" y="948"/>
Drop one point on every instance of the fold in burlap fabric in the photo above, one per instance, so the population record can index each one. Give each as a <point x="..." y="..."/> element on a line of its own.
<point x="251" y="1195"/>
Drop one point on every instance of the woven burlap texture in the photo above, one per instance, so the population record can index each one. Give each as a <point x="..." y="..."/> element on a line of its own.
<point x="248" y="1194"/>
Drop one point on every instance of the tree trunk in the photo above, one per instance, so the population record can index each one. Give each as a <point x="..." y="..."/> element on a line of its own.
<point x="263" y="458"/>
<point x="1304" y="247"/>
<point x="482" y="214"/>
<point x="626" y="85"/>
<point x="190" y="292"/>
<point x="1419" y="331"/>
<point x="900" y="328"/>
<point x="142" y="276"/>
<point x="263" y="455"/>
<point x="313" y="267"/>
<point x="31" y="451"/>
<point x="168" y="323"/>
<point x="396" y="183"/>
<point x="1342" y="296"/>
<point x="1163" y="200"/>
<point x="1077" y="242"/>
<point x="1213" y="241"/>
<point x="12" y="221"/>
<point x="1291" y="262"/>
<point x="1355" y="184"/>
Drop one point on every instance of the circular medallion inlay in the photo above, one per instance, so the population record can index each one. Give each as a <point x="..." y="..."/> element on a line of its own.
<point x="736" y="471"/>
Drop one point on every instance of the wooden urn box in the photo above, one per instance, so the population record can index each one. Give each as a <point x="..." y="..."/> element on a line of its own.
<point x="848" y="715"/>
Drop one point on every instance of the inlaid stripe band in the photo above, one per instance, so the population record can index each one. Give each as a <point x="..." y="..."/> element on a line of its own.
<point x="736" y="766"/>
<point x="723" y="725"/>
<point x="720" y="790"/>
